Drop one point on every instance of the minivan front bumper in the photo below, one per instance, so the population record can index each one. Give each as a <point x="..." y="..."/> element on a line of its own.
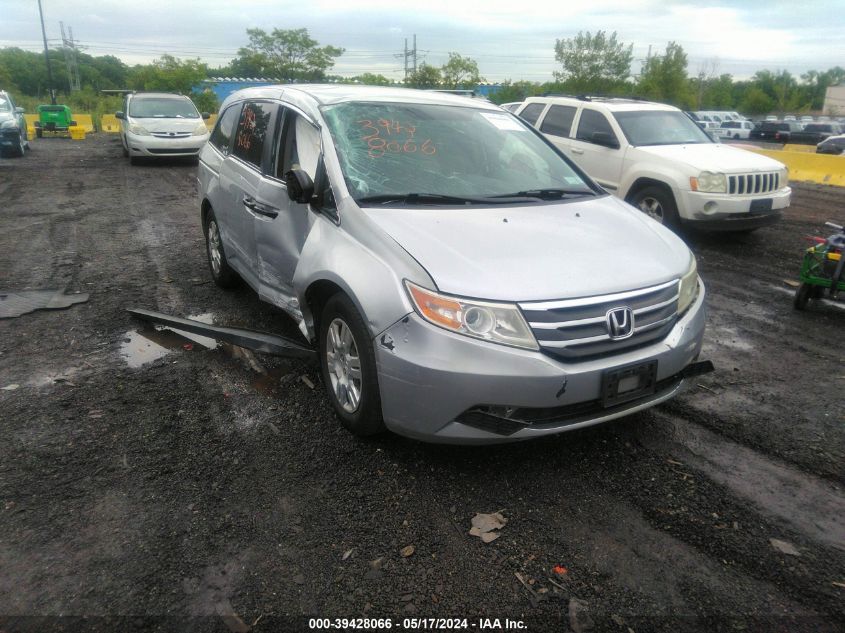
<point x="438" y="386"/>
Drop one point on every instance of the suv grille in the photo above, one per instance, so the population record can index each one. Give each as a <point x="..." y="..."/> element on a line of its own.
<point x="754" y="183"/>
<point x="575" y="329"/>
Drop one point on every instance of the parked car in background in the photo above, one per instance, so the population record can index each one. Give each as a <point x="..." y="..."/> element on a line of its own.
<point x="832" y="145"/>
<point x="656" y="158"/>
<point x="771" y="117"/>
<point x="815" y="133"/>
<point x="161" y="125"/>
<point x="735" y="129"/>
<point x="511" y="106"/>
<point x="774" y="131"/>
<point x="442" y="256"/>
<point x="13" y="135"/>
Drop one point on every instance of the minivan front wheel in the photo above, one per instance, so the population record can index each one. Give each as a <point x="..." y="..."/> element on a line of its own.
<point x="221" y="272"/>
<point x="348" y="365"/>
<point x="658" y="204"/>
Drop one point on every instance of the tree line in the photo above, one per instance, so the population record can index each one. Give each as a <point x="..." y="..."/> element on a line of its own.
<point x="589" y="63"/>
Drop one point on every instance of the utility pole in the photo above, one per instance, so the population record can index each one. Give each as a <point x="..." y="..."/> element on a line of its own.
<point x="47" y="57"/>
<point x="412" y="54"/>
<point x="415" y="53"/>
<point x="69" y="50"/>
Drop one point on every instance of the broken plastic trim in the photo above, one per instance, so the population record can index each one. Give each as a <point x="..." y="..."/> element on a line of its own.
<point x="250" y="339"/>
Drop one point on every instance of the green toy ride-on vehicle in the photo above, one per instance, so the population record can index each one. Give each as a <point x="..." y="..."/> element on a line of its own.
<point x="822" y="268"/>
<point x="53" y="118"/>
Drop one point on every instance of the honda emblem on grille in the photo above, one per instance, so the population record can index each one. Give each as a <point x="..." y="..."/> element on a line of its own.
<point x="620" y="322"/>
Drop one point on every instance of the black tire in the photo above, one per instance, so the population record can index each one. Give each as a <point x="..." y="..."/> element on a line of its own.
<point x="20" y="150"/>
<point x="657" y="203"/>
<point x="39" y="133"/>
<point x="134" y="160"/>
<point x="360" y="415"/>
<point x="222" y="274"/>
<point x="123" y="147"/>
<point x="736" y="137"/>
<point x="802" y="296"/>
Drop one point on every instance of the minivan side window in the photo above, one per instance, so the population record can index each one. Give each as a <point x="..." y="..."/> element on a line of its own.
<point x="222" y="134"/>
<point x="532" y="111"/>
<point x="558" y="120"/>
<point x="592" y="121"/>
<point x="299" y="147"/>
<point x="253" y="125"/>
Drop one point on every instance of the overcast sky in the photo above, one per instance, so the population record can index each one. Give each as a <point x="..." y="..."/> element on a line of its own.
<point x="508" y="38"/>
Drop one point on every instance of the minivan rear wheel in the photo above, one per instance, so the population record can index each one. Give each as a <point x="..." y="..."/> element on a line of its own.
<point x="348" y="365"/>
<point x="223" y="275"/>
<point x="658" y="204"/>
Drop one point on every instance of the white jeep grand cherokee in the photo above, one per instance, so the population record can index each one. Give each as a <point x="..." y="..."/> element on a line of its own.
<point x="656" y="158"/>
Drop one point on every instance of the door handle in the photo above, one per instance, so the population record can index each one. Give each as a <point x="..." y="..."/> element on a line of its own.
<point x="575" y="150"/>
<point x="261" y="209"/>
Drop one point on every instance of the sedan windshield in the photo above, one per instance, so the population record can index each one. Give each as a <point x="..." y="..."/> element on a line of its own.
<point x="410" y="153"/>
<point x="660" y="127"/>
<point x="150" y="108"/>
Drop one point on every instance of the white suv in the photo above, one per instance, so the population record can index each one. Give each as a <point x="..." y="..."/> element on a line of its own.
<point x="655" y="157"/>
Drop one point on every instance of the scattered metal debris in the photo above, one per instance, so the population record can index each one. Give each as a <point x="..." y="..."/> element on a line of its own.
<point x="14" y="303"/>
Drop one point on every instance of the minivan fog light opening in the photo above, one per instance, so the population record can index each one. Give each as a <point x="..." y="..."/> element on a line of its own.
<point x="495" y="322"/>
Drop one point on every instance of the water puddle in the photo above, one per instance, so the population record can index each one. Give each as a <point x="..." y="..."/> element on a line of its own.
<point x="146" y="344"/>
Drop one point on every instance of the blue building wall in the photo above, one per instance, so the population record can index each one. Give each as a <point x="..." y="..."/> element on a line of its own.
<point x="223" y="89"/>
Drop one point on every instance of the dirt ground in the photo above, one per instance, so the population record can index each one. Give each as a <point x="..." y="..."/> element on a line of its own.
<point x="149" y="486"/>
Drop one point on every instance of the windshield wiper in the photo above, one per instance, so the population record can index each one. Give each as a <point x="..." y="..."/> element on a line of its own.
<point x="547" y="194"/>
<point x="439" y="198"/>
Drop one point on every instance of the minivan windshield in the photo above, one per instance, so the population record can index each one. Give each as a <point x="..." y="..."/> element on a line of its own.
<point x="414" y="153"/>
<point x="660" y="127"/>
<point x="162" y="108"/>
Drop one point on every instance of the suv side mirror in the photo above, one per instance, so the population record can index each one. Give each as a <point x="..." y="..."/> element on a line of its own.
<point x="300" y="186"/>
<point x="20" y="110"/>
<point x="605" y="139"/>
<point x="120" y="115"/>
<point x="206" y="115"/>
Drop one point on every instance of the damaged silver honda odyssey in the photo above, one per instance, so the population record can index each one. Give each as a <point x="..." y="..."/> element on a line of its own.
<point x="461" y="280"/>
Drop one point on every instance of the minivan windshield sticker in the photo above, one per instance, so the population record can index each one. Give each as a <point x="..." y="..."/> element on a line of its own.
<point x="503" y="121"/>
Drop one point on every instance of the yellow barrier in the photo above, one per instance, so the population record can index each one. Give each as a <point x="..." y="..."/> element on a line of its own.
<point x="210" y="121"/>
<point x="108" y="123"/>
<point x="796" y="147"/>
<point x="77" y="132"/>
<point x="824" y="169"/>
<point x="30" y="124"/>
<point x="84" y="121"/>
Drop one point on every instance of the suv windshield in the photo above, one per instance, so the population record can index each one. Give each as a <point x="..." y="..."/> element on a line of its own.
<point x="396" y="150"/>
<point x="152" y="107"/>
<point x="660" y="127"/>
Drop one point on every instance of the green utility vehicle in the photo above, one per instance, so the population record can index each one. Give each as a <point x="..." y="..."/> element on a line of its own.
<point x="823" y="268"/>
<point x="53" y="118"/>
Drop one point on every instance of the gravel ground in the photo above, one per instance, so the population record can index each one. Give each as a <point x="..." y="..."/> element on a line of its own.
<point x="146" y="485"/>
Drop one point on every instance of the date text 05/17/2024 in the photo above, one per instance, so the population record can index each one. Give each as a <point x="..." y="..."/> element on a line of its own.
<point x="430" y="624"/>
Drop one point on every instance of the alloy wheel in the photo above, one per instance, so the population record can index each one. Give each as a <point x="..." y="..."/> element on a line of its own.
<point x="214" y="247"/>
<point x="652" y="208"/>
<point x="344" y="364"/>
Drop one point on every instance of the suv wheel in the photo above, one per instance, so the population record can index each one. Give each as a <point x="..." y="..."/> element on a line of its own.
<point x="658" y="204"/>
<point x="348" y="365"/>
<point x="222" y="274"/>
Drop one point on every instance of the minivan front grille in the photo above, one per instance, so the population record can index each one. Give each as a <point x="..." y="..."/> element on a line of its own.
<point x="577" y="329"/>
<point x="751" y="184"/>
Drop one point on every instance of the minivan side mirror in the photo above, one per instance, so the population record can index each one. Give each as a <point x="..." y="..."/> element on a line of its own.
<point x="119" y="115"/>
<point x="605" y="139"/>
<point x="300" y="186"/>
<point x="206" y="115"/>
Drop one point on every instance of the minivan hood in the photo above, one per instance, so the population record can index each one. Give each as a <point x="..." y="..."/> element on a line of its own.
<point x="157" y="124"/>
<point x="714" y="157"/>
<point x="541" y="252"/>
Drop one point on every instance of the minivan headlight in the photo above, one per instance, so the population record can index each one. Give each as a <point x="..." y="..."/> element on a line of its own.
<point x="495" y="322"/>
<point x="689" y="288"/>
<point x="200" y="130"/>
<point x="138" y="130"/>
<point x="708" y="182"/>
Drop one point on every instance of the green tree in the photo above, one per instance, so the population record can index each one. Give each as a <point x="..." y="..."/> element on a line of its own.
<point x="664" y="78"/>
<point x="718" y="94"/>
<point x="285" y="54"/>
<point x="515" y="91"/>
<point x="756" y="101"/>
<point x="460" y="72"/>
<point x="168" y="74"/>
<point x="371" y="79"/>
<point x="593" y="63"/>
<point x="427" y="76"/>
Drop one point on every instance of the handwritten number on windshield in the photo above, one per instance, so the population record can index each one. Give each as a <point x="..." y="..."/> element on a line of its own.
<point x="379" y="145"/>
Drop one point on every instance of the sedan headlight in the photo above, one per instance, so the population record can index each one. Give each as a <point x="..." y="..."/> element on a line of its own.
<point x="689" y="287"/>
<point x="495" y="322"/>
<point x="138" y="130"/>
<point x="200" y="130"/>
<point x="708" y="182"/>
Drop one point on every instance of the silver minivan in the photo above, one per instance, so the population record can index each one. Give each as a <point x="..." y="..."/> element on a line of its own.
<point x="461" y="279"/>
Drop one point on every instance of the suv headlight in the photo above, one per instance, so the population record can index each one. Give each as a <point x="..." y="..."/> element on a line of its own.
<point x="708" y="182"/>
<point x="495" y="322"/>
<point x="688" y="290"/>
<point x="784" y="177"/>
<point x="200" y="130"/>
<point x="138" y="130"/>
<point x="11" y="123"/>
